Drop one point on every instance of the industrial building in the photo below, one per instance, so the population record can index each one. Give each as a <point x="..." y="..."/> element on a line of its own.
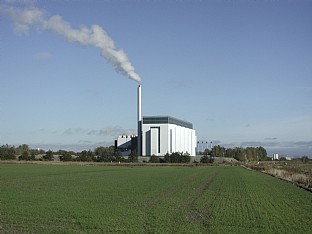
<point x="158" y="135"/>
<point x="275" y="157"/>
<point x="166" y="134"/>
<point x="125" y="144"/>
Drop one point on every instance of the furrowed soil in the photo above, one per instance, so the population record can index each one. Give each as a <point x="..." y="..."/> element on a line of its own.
<point x="106" y="199"/>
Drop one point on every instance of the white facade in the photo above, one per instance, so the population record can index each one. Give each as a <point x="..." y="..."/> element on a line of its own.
<point x="124" y="142"/>
<point x="275" y="157"/>
<point x="164" y="134"/>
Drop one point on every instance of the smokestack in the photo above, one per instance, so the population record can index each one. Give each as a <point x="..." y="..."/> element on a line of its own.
<point x="139" y="146"/>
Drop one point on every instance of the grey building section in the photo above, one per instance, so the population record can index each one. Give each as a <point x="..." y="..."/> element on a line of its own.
<point x="166" y="120"/>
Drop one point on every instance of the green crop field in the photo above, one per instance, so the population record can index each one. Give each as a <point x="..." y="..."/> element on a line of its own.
<point x="102" y="199"/>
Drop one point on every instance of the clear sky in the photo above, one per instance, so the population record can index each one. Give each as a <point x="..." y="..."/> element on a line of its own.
<point x="240" y="71"/>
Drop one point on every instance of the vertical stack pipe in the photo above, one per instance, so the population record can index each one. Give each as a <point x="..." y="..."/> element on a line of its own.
<point x="139" y="146"/>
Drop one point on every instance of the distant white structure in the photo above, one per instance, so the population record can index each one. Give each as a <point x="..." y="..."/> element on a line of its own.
<point x="275" y="157"/>
<point x="165" y="134"/>
<point x="125" y="143"/>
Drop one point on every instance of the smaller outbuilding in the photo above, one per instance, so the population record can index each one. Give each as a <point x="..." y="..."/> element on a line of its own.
<point x="125" y="143"/>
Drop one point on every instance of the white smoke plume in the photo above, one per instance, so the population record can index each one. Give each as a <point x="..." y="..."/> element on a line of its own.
<point x="25" y="19"/>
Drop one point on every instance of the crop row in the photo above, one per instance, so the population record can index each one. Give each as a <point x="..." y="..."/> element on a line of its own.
<point x="88" y="199"/>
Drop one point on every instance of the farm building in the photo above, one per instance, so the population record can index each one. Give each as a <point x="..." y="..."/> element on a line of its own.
<point x="166" y="134"/>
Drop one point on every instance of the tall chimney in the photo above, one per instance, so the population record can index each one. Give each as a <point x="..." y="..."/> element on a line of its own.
<point x="139" y="146"/>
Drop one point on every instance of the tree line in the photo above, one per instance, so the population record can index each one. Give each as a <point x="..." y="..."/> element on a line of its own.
<point x="99" y="154"/>
<point x="239" y="153"/>
<point x="22" y="152"/>
<point x="175" y="157"/>
<point x="110" y="154"/>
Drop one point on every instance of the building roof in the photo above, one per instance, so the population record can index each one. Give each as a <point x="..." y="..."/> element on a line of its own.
<point x="166" y="120"/>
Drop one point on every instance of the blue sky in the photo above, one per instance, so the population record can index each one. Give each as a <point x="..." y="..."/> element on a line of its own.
<point x="240" y="71"/>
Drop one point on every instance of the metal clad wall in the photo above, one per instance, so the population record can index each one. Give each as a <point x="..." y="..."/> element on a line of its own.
<point x="161" y="137"/>
<point x="154" y="139"/>
<point x="164" y="139"/>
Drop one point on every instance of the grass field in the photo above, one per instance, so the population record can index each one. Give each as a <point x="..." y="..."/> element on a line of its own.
<point x="100" y="199"/>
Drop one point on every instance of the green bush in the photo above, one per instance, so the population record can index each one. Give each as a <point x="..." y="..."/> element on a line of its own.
<point x="177" y="157"/>
<point x="207" y="159"/>
<point x="154" y="159"/>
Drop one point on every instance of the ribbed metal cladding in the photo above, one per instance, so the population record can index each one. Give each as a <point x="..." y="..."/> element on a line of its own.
<point x="166" y="120"/>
